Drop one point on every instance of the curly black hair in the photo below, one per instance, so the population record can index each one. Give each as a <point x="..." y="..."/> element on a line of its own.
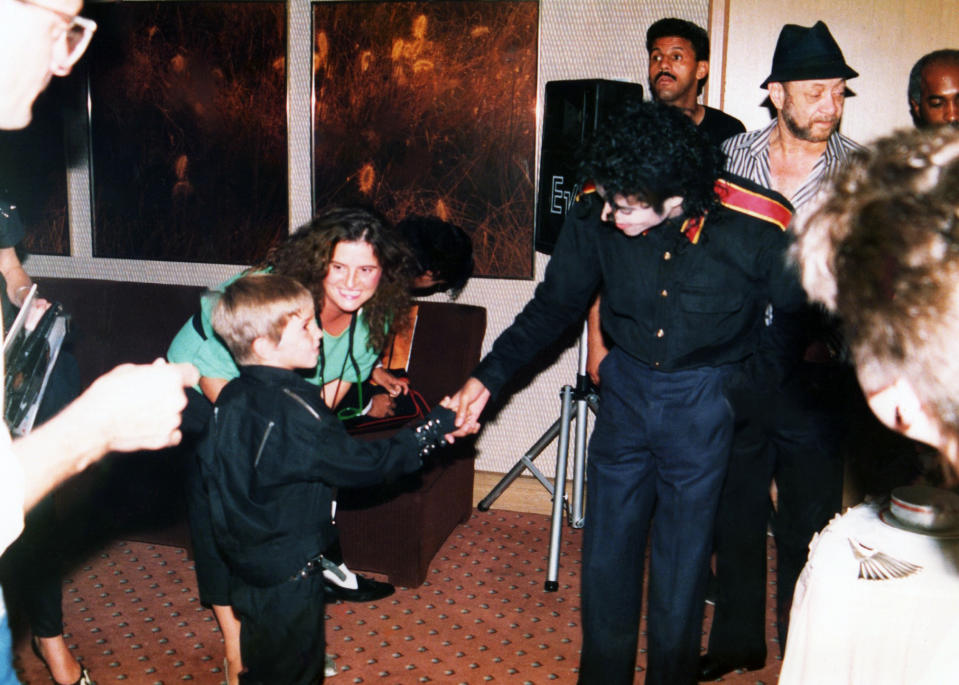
<point x="306" y="255"/>
<point x="672" y="27"/>
<point x="651" y="152"/>
<point x="439" y="247"/>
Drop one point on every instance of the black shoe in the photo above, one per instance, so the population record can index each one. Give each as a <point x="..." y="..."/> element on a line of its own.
<point x="367" y="590"/>
<point x="712" y="667"/>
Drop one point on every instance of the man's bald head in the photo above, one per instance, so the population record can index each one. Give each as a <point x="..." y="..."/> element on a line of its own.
<point x="934" y="89"/>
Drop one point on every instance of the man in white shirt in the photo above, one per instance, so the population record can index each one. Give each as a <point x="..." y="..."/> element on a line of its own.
<point x="130" y="408"/>
<point x="784" y="431"/>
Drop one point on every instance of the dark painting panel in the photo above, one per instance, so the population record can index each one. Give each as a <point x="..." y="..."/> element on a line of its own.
<point x="429" y="108"/>
<point x="189" y="130"/>
<point x="33" y="173"/>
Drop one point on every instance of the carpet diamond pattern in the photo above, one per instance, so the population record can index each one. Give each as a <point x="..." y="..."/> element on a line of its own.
<point x="132" y="615"/>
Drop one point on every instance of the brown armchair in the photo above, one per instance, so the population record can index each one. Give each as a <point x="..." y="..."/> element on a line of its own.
<point x="395" y="529"/>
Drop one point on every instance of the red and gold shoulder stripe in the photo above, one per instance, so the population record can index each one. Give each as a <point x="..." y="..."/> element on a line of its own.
<point x="752" y="203"/>
<point x="588" y="188"/>
<point x="693" y="227"/>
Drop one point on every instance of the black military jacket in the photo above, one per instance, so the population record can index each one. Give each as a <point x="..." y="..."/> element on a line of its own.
<point x="270" y="460"/>
<point x="682" y="295"/>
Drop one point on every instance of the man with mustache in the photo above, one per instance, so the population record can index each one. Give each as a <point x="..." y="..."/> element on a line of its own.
<point x="783" y="432"/>
<point x="934" y="89"/>
<point x="678" y="69"/>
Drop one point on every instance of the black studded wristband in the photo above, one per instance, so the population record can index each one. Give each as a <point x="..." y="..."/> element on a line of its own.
<point x="429" y="434"/>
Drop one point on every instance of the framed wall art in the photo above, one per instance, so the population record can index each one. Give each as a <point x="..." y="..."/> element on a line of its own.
<point x="188" y="130"/>
<point x="430" y="108"/>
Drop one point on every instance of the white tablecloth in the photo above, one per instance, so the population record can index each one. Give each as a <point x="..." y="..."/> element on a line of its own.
<point x="867" y="632"/>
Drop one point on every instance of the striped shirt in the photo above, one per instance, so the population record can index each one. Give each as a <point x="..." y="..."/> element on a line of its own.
<point x="747" y="155"/>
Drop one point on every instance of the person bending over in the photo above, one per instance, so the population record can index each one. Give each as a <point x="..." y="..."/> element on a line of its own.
<point x="271" y="458"/>
<point x="685" y="260"/>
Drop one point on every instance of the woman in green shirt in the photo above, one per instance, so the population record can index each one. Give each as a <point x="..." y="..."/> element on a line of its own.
<point x="359" y="272"/>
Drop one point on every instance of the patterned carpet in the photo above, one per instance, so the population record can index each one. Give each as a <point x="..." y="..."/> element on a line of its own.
<point x="132" y="614"/>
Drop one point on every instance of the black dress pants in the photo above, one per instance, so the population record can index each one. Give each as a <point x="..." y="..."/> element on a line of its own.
<point x="657" y="458"/>
<point x="791" y="437"/>
<point x="282" y="636"/>
<point x="32" y="566"/>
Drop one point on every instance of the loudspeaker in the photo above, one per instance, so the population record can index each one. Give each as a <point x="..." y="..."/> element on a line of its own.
<point x="573" y="110"/>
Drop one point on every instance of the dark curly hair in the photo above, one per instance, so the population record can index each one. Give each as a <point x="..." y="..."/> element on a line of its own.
<point x="440" y="247"/>
<point x="652" y="152"/>
<point x="306" y="255"/>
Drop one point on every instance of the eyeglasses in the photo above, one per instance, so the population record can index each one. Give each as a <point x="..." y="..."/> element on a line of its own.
<point x="76" y="36"/>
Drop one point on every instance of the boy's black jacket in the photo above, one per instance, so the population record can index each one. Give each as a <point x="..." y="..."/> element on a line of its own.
<point x="270" y="459"/>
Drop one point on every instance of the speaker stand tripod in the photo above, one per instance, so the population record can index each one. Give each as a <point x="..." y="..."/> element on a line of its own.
<point x="584" y="398"/>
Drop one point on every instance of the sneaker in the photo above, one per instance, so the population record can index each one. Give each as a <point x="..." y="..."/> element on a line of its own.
<point x="329" y="666"/>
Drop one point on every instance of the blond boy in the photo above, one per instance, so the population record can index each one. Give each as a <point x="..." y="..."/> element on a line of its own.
<point x="272" y="456"/>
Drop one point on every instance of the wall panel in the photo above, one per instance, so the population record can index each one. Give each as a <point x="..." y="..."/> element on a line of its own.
<point x="577" y="39"/>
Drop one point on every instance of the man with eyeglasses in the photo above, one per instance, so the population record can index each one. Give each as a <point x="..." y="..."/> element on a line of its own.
<point x="131" y="408"/>
<point x="37" y="40"/>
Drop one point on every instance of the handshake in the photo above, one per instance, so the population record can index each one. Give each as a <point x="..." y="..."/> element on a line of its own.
<point x="468" y="403"/>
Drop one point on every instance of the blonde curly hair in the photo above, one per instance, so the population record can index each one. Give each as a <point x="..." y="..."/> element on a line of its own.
<point x="881" y="249"/>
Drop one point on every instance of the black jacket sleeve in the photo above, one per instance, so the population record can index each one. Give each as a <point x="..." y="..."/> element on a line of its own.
<point x="572" y="277"/>
<point x="309" y="446"/>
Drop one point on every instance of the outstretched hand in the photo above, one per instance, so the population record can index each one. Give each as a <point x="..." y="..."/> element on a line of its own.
<point x="132" y="407"/>
<point x="468" y="403"/>
<point x="137" y="406"/>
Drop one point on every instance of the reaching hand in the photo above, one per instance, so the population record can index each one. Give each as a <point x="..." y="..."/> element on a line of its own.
<point x="468" y="403"/>
<point x="381" y="406"/>
<point x="394" y="385"/>
<point x="132" y="407"/>
<point x="137" y="406"/>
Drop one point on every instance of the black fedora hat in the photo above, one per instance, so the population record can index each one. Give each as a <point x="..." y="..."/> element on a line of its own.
<point x="807" y="53"/>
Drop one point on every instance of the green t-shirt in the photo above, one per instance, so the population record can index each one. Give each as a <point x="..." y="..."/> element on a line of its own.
<point x="199" y="345"/>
